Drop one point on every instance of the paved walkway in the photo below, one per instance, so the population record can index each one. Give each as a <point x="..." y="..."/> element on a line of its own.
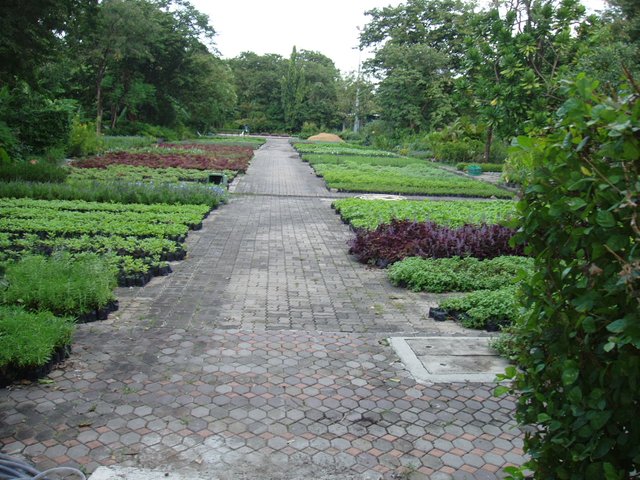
<point x="263" y="356"/>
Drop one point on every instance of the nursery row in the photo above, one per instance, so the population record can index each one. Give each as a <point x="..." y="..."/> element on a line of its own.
<point x="399" y="239"/>
<point x="413" y="178"/>
<point x="369" y="214"/>
<point x="340" y="149"/>
<point x="131" y="173"/>
<point x="118" y="192"/>
<point x="205" y="157"/>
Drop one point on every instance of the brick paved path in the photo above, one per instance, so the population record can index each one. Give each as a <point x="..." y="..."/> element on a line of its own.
<point x="262" y="357"/>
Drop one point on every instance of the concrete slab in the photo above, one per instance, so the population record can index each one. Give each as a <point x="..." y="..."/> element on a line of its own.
<point x="449" y="359"/>
<point x="130" y="473"/>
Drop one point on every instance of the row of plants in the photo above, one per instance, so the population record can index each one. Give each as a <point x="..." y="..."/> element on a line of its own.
<point x="378" y="161"/>
<point x="444" y="246"/>
<point x="69" y="235"/>
<point x="411" y="179"/>
<point x="183" y="193"/>
<point x="41" y="300"/>
<point x="177" y="158"/>
<point x="369" y="214"/>
<point x="333" y="148"/>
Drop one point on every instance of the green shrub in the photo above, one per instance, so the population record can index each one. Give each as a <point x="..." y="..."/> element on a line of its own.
<point x="463" y="150"/>
<point x="83" y="139"/>
<point x="30" y="339"/>
<point x="110" y="142"/>
<point x="485" y="308"/>
<point x="455" y="274"/>
<point x="309" y="129"/>
<point x="62" y="284"/>
<point x="33" y="171"/>
<point x="579" y="376"/>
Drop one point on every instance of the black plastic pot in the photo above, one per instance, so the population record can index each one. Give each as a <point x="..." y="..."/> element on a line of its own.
<point x="438" y="314"/>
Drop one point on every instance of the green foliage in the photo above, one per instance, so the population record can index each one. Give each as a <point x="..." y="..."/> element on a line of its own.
<point x="524" y="153"/>
<point x="83" y="139"/>
<point x="60" y="284"/>
<point x="32" y="172"/>
<point x="125" y="142"/>
<point x="309" y="129"/>
<point x="130" y="173"/>
<point x="29" y="339"/>
<point x="456" y="151"/>
<point x="340" y="149"/>
<point x="456" y="274"/>
<point x="414" y="179"/>
<point x="361" y="213"/>
<point x="579" y="382"/>
<point x="118" y="192"/>
<point x="482" y="308"/>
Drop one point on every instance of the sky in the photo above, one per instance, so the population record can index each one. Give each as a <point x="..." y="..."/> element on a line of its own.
<point x="275" y="26"/>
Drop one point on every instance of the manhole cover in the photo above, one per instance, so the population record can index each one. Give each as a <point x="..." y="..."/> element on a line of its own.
<point x="449" y="359"/>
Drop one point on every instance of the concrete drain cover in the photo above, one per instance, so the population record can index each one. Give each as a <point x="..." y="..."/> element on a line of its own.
<point x="449" y="359"/>
<point x="380" y="196"/>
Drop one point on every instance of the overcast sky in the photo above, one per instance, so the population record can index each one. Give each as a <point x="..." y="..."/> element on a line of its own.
<point x="275" y="26"/>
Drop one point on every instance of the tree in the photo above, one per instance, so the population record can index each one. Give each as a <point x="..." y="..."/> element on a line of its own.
<point x="293" y="93"/>
<point x="418" y="47"/>
<point x="258" y="84"/>
<point x="321" y="76"/>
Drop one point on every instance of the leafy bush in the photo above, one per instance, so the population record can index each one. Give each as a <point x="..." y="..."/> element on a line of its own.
<point x="61" y="284"/>
<point x="403" y="238"/>
<point x="579" y="382"/>
<point x="523" y="154"/>
<point x="457" y="274"/>
<point x="309" y="129"/>
<point x="118" y="192"/>
<point x="30" y="339"/>
<point x="33" y="171"/>
<point x="485" y="309"/>
<point x="83" y="139"/>
<point x="464" y="150"/>
<point x="486" y="167"/>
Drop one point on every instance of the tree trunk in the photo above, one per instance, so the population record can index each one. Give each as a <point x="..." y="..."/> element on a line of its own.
<point x="99" y="107"/>
<point x="487" y="146"/>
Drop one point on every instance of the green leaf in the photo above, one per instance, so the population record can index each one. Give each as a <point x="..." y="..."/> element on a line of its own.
<point x="570" y="373"/>
<point x="501" y="390"/>
<point x="576" y="203"/>
<point x="618" y="326"/>
<point x="605" y="219"/>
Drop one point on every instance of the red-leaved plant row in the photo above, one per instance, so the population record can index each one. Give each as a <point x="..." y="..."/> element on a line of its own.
<point x="215" y="161"/>
<point x="399" y="239"/>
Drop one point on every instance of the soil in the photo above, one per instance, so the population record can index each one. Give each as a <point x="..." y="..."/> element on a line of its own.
<point x="325" y="137"/>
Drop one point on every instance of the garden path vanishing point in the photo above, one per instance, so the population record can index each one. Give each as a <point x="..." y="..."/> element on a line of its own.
<point x="262" y="356"/>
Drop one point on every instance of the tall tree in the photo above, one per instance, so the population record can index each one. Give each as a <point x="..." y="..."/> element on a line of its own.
<point x="293" y="93"/>
<point x="258" y="83"/>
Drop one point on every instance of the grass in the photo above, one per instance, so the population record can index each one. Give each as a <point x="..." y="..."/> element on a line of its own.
<point x="29" y="339"/>
<point x="369" y="214"/>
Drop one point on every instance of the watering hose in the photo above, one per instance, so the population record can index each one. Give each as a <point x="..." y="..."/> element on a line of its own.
<point x="12" y="469"/>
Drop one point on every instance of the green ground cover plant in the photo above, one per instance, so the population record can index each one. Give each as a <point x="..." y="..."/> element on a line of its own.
<point x="354" y="160"/>
<point x="30" y="339"/>
<point x="129" y="173"/>
<point x="485" y="309"/>
<point x="341" y="149"/>
<point x="369" y="214"/>
<point x="254" y="142"/>
<point x="114" y="143"/>
<point x="457" y="274"/>
<point x="61" y="284"/>
<point x="32" y="172"/>
<point x="411" y="179"/>
<point x="184" y="193"/>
